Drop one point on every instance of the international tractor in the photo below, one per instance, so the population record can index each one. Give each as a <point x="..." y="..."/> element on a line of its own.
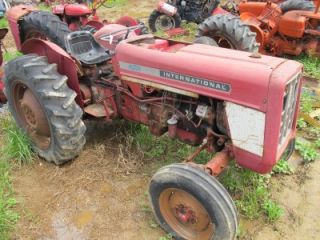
<point x="290" y="28"/>
<point x="238" y="105"/>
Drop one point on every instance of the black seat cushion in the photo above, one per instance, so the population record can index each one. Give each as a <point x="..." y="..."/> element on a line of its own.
<point x="82" y="46"/>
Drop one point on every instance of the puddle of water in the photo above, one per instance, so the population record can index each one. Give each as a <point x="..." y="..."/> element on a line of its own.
<point x="64" y="230"/>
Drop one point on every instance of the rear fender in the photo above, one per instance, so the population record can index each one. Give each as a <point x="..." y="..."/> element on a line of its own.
<point x="14" y="15"/>
<point x="66" y="65"/>
<point x="167" y="9"/>
<point x="255" y="8"/>
<point x="96" y="24"/>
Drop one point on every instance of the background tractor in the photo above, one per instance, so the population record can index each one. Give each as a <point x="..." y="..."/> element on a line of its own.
<point x="229" y="103"/>
<point x="169" y="14"/>
<point x="80" y="16"/>
<point x="290" y="28"/>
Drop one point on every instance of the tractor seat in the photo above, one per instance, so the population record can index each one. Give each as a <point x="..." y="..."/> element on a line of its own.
<point x="82" y="46"/>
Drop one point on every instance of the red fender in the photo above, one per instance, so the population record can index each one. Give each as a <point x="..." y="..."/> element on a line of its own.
<point x="219" y="10"/>
<point x="66" y="65"/>
<point x="14" y="15"/>
<point x="96" y="24"/>
<point x="129" y="22"/>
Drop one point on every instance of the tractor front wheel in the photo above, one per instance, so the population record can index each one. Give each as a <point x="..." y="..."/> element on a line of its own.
<point x="44" y="108"/>
<point x="161" y="22"/>
<point x="190" y="204"/>
<point x="229" y="32"/>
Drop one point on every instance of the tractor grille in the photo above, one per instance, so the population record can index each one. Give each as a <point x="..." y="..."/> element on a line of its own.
<point x="289" y="107"/>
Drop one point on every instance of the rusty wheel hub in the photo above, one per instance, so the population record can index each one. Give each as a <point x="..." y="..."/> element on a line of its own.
<point x="33" y="114"/>
<point x="33" y="118"/>
<point x="223" y="42"/>
<point x="185" y="214"/>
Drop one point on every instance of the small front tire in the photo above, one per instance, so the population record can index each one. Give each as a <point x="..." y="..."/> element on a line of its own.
<point x="190" y="204"/>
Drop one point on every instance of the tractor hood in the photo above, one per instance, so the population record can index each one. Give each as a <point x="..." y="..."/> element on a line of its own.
<point x="239" y="77"/>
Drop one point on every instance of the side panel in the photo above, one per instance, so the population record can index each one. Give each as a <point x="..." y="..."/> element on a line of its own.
<point x="55" y="54"/>
<point x="247" y="127"/>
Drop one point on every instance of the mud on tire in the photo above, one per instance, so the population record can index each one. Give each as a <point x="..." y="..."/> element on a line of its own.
<point x="229" y="32"/>
<point x="212" y="197"/>
<point x="43" y="24"/>
<point x="65" y="128"/>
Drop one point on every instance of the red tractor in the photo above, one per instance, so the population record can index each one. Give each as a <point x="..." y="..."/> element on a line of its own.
<point x="290" y="28"/>
<point x="231" y="103"/>
<point x="81" y="17"/>
<point x="170" y="13"/>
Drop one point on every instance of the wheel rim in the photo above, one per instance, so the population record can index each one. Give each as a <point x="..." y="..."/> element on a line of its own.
<point x="31" y="116"/>
<point x="185" y="214"/>
<point x="165" y="23"/>
<point x="224" y="42"/>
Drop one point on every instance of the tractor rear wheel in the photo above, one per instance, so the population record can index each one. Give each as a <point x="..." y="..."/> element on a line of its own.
<point x="292" y="5"/>
<point x="44" y="25"/>
<point x="44" y="108"/>
<point x="206" y="41"/>
<point x="161" y="22"/>
<point x="190" y="204"/>
<point x="229" y="32"/>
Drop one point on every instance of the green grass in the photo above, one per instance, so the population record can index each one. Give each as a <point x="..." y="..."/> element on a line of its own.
<point x="311" y="65"/>
<point x="16" y="144"/>
<point x="3" y="22"/>
<point x="8" y="56"/>
<point x="8" y="217"/>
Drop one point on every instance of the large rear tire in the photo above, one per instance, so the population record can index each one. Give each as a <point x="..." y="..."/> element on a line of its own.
<point x="44" y="25"/>
<point x="44" y="108"/>
<point x="292" y="5"/>
<point x="229" y="32"/>
<point x="161" y="22"/>
<point x="190" y="204"/>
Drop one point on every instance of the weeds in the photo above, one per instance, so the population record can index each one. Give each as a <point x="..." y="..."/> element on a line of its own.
<point x="282" y="167"/>
<point x="311" y="65"/>
<point x="17" y="145"/>
<point x="272" y="210"/>
<point x="250" y="192"/>
<point x="307" y="150"/>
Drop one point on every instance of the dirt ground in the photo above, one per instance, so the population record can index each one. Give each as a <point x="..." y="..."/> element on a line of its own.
<point x="95" y="197"/>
